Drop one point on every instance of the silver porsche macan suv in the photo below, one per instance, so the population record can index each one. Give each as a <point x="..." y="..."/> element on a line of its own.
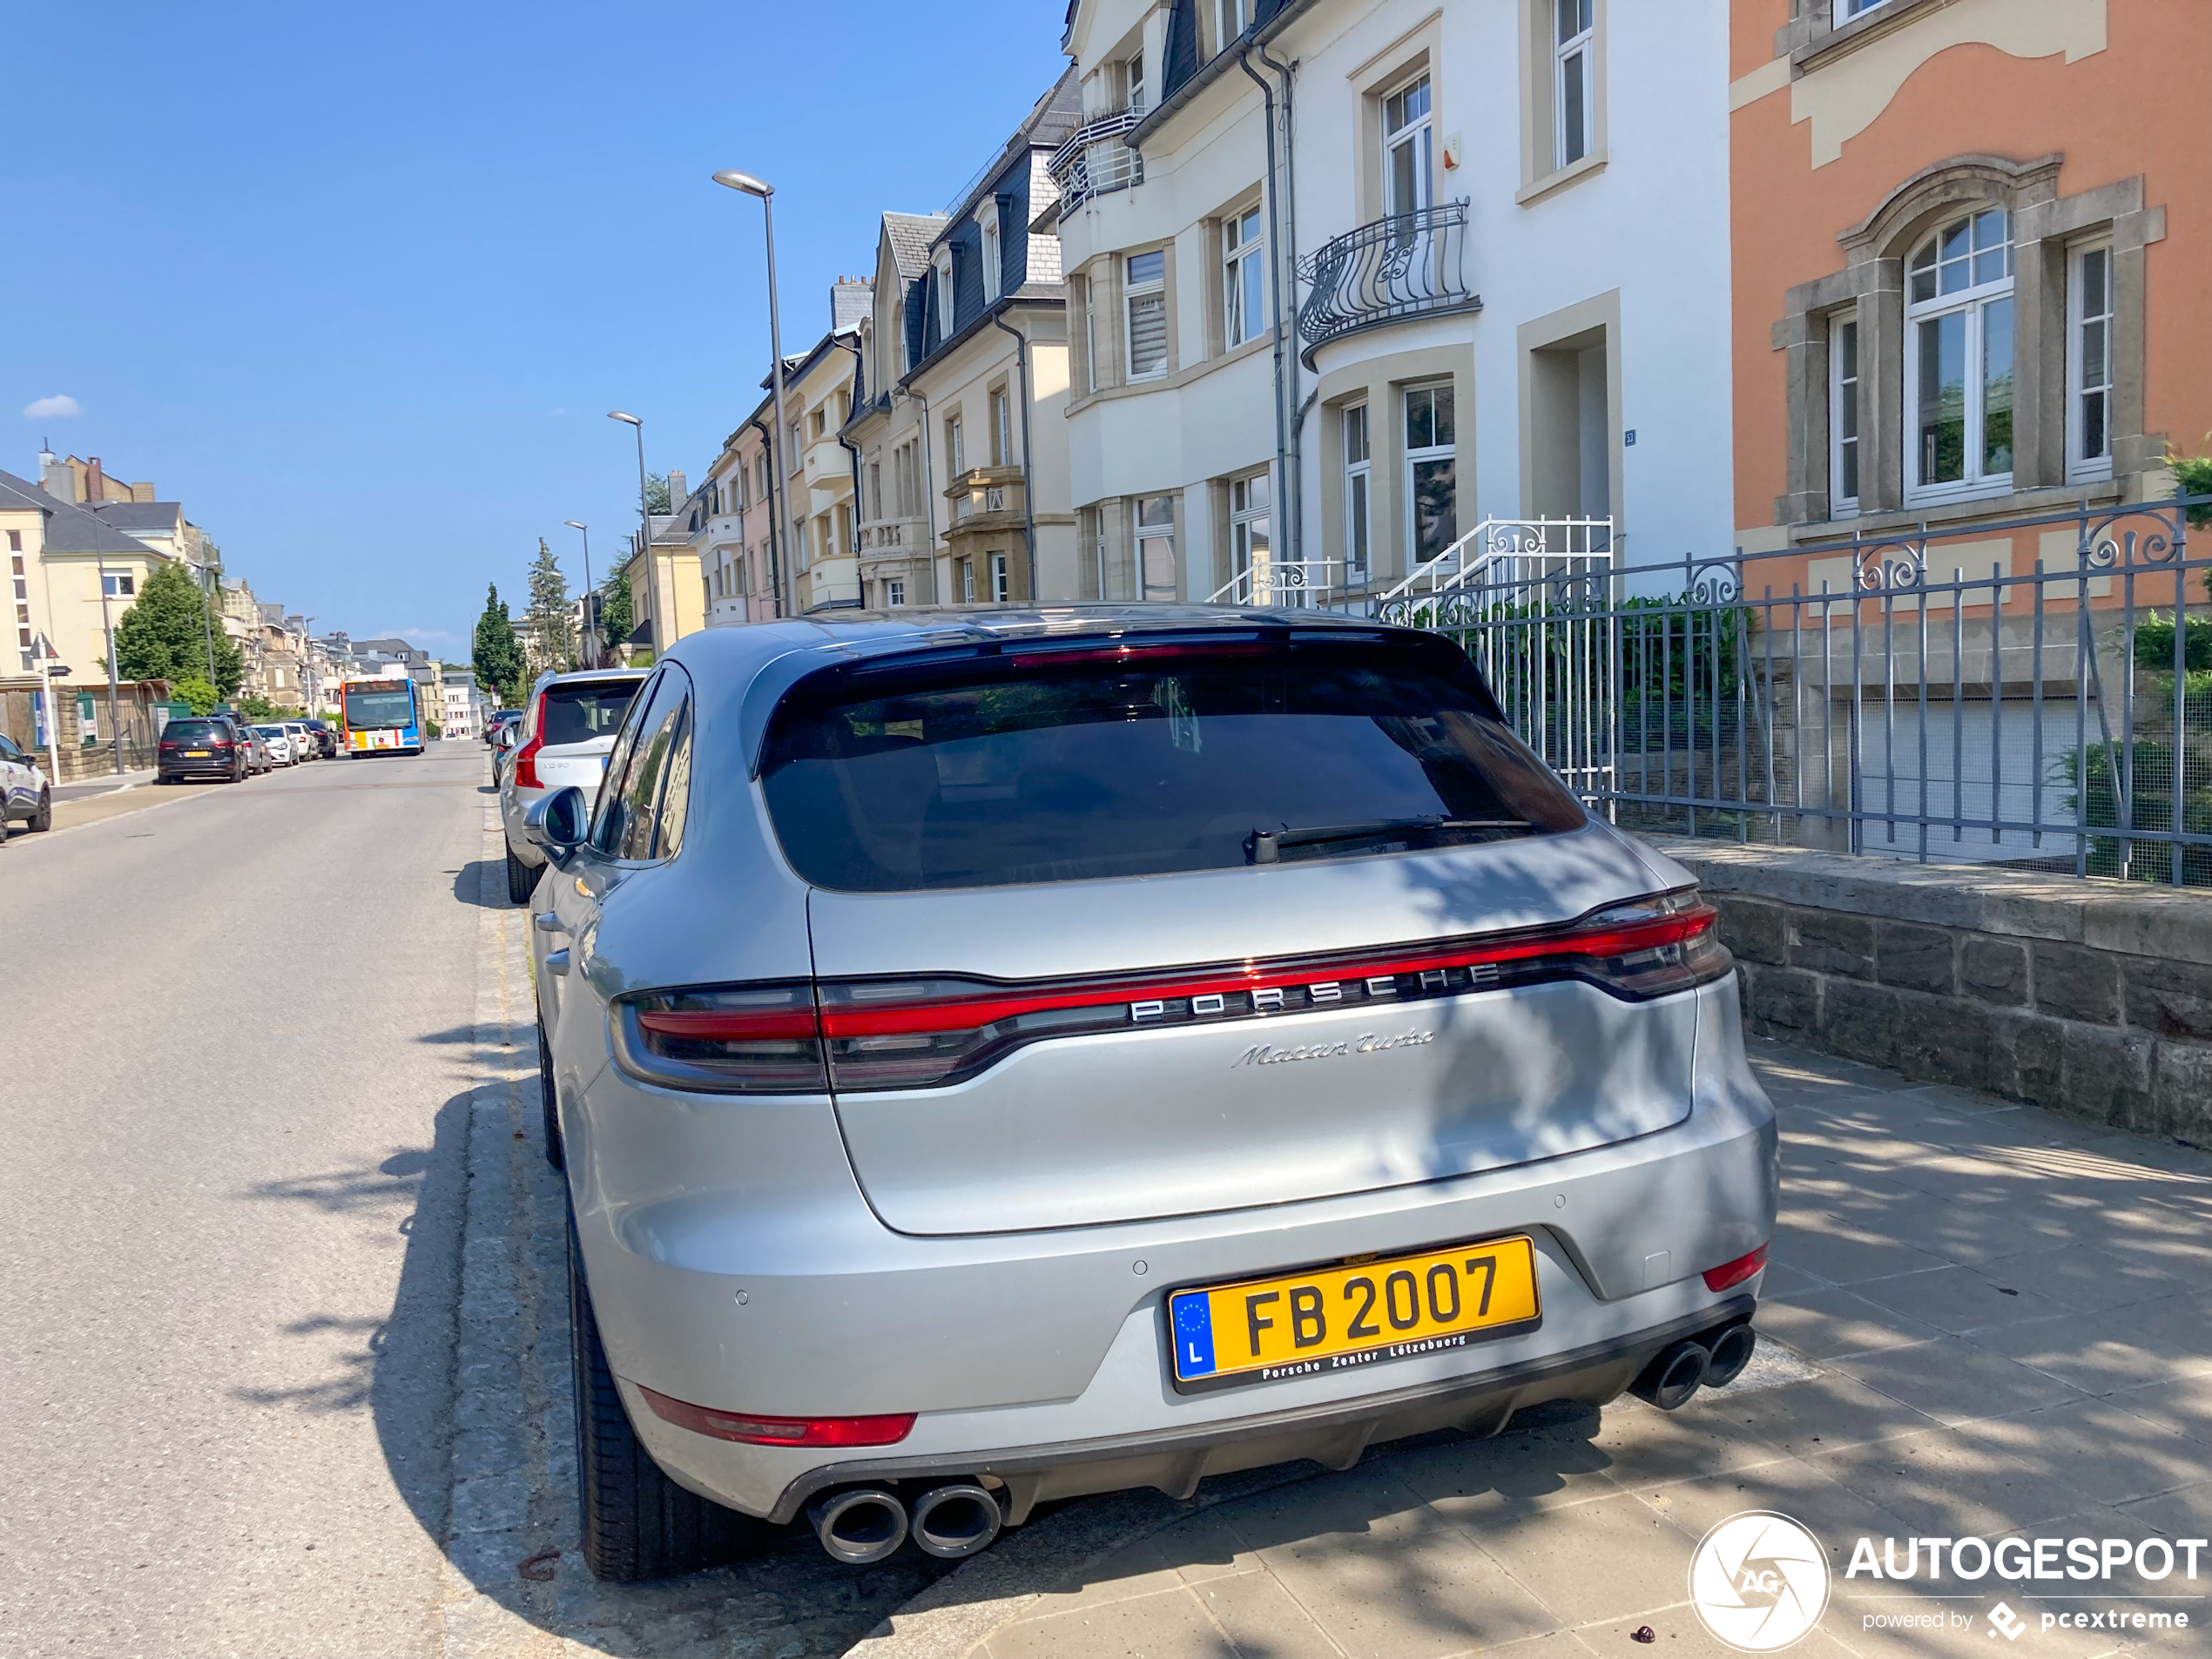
<point x="998" y="1056"/>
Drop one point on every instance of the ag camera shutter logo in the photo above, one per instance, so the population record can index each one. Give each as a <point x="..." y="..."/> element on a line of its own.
<point x="1759" y="1581"/>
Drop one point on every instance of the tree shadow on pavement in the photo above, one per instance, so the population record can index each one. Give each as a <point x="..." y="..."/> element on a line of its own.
<point x="399" y="1366"/>
<point x="472" y="886"/>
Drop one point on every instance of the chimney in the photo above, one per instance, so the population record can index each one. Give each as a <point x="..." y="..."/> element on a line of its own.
<point x="55" y="476"/>
<point x="95" y="480"/>
<point x="850" y="299"/>
<point x="142" y="492"/>
<point x="678" y="488"/>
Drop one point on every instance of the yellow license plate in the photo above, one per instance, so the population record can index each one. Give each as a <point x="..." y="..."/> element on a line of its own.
<point x="197" y="754"/>
<point x="1332" y="1318"/>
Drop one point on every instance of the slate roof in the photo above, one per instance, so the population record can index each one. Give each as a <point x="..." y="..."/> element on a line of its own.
<point x="910" y="236"/>
<point x="69" y="528"/>
<point x="163" y="515"/>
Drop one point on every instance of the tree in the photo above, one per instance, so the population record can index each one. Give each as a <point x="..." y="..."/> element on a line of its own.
<point x="498" y="655"/>
<point x="656" y="493"/>
<point x="194" y="690"/>
<point x="166" y="633"/>
<point x="552" y="638"/>
<point x="615" y="618"/>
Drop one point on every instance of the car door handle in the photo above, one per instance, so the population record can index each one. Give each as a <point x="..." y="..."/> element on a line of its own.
<point x="547" y="923"/>
<point x="556" y="962"/>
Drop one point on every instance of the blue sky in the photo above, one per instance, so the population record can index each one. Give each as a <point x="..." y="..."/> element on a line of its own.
<point x="357" y="284"/>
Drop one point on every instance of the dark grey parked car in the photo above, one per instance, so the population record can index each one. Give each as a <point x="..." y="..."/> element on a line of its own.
<point x="999" y="1056"/>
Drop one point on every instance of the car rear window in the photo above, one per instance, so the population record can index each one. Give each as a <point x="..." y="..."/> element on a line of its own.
<point x="580" y="712"/>
<point x="1093" y="761"/>
<point x="193" y="730"/>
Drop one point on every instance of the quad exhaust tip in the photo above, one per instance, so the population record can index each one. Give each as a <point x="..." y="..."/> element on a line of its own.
<point x="952" y="1521"/>
<point x="1669" y="1380"/>
<point x="1729" y="1352"/>
<point x="860" y="1527"/>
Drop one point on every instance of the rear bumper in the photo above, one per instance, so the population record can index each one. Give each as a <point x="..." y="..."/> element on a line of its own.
<point x="1333" y="1435"/>
<point x="1041" y="1354"/>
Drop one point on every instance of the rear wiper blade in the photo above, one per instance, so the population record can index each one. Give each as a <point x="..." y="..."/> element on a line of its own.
<point x="1267" y="847"/>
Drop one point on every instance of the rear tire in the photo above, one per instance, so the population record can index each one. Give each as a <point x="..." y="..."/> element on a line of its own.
<point x="42" y="819"/>
<point x="521" y="880"/>
<point x="638" y="1523"/>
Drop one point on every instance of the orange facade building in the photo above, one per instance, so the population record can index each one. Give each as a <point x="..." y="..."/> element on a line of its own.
<point x="1970" y="245"/>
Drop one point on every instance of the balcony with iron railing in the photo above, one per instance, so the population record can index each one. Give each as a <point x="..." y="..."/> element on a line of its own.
<point x="1097" y="160"/>
<point x="1406" y="266"/>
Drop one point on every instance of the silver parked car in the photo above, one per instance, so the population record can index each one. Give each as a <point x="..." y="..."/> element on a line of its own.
<point x="566" y="730"/>
<point x="1000" y="1056"/>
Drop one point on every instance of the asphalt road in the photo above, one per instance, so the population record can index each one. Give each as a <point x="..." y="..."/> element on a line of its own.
<point x="234" y="1054"/>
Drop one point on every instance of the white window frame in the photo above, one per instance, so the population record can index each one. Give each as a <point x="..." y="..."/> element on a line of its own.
<point x="1358" y="492"/>
<point x="1844" y="381"/>
<point x="1133" y="82"/>
<point x="1002" y="426"/>
<point x="1232" y="18"/>
<point x="994" y="255"/>
<point x="1973" y="302"/>
<point x="1428" y="452"/>
<point x="955" y="447"/>
<point x="1243" y="297"/>
<point x="1090" y="336"/>
<point x="1844" y="11"/>
<point x="1248" y="518"/>
<point x="117" y="584"/>
<point x="894" y="593"/>
<point x="1001" y="580"/>
<point x="1161" y="530"/>
<point x="943" y="270"/>
<point x="968" y="582"/>
<point x="1415" y="133"/>
<point x="2080" y="467"/>
<point x="1133" y="290"/>
<point x="1574" y="65"/>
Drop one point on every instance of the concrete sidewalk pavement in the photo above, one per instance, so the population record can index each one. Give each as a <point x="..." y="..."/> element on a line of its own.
<point x="1982" y="1319"/>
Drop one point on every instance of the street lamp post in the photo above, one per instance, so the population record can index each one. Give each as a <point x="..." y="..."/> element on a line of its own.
<point x="644" y="510"/>
<point x="748" y="185"/>
<point x="590" y="616"/>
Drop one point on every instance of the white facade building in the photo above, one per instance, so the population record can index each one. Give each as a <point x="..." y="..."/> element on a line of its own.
<point x="1491" y="280"/>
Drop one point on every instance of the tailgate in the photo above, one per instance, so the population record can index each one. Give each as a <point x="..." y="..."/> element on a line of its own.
<point x="1338" y="1091"/>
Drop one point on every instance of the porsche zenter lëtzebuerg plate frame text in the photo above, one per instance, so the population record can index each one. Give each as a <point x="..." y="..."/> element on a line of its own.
<point x="1358" y="1313"/>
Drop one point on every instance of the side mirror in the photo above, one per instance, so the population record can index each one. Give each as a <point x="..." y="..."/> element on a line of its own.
<point x="558" y="823"/>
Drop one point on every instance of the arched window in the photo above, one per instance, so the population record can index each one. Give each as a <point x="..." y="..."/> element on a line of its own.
<point x="1959" y="359"/>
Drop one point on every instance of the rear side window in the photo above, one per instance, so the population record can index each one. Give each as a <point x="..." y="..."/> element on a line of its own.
<point x="580" y="712"/>
<point x="1210" y="753"/>
<point x="653" y="751"/>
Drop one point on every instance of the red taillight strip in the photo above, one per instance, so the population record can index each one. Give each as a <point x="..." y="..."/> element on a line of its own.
<point x="966" y="1014"/>
<point x="722" y="1025"/>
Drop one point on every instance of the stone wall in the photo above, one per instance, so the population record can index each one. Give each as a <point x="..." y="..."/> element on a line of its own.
<point x="2091" y="997"/>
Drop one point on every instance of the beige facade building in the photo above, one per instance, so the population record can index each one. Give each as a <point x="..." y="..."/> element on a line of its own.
<point x="667" y="598"/>
<point x="964" y="494"/>
<point x="72" y="576"/>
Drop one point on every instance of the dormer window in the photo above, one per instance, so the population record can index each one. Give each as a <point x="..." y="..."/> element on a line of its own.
<point x="988" y="217"/>
<point x="944" y="281"/>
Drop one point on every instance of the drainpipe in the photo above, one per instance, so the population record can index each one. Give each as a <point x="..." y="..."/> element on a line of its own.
<point x="775" y="572"/>
<point x="851" y="449"/>
<point x="1290" y="256"/>
<point x="1275" y="280"/>
<point x="928" y="492"/>
<point x="1029" y="489"/>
